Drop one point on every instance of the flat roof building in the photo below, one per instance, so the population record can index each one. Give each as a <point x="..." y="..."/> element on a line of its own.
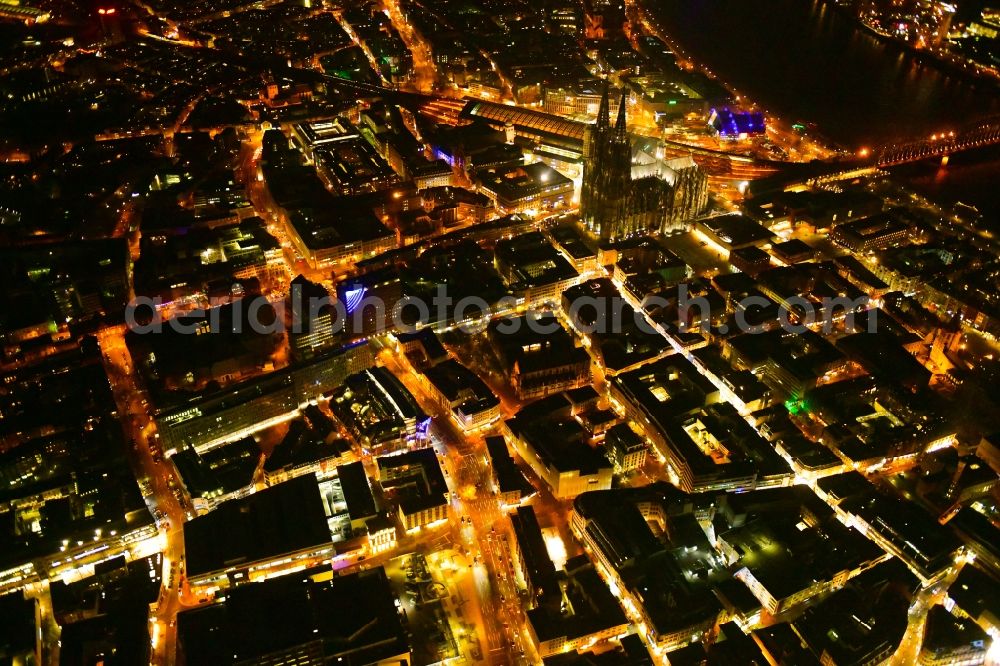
<point x="540" y="356"/>
<point x="951" y="640"/>
<point x="463" y="394"/>
<point x="415" y="482"/>
<point x="592" y="614"/>
<point x="69" y="496"/>
<point x="790" y="364"/>
<point x="904" y="529"/>
<point x="17" y="632"/>
<point x="422" y="348"/>
<point x="706" y="443"/>
<point x="871" y="425"/>
<point x="534" y="270"/>
<point x="361" y="506"/>
<point x="619" y="335"/>
<point x="625" y="449"/>
<point x="553" y="443"/>
<point x="338" y="233"/>
<point x="667" y="577"/>
<point x="736" y="124"/>
<point x="352" y="167"/>
<point x="243" y="538"/>
<point x="787" y="546"/>
<point x="873" y="233"/>
<point x="525" y="188"/>
<point x="322" y="133"/>
<point x="574" y="245"/>
<point x="298" y="618"/>
<point x="220" y="474"/>
<point x="532" y="559"/>
<point x="512" y="486"/>
<point x="864" y="622"/>
<point x="211" y="418"/>
<point x="731" y="232"/>
<point x="378" y="411"/>
<point x="976" y="594"/>
<point x="309" y="447"/>
<point x="794" y="251"/>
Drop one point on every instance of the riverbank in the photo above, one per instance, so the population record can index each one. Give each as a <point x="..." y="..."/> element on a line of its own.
<point x="976" y="75"/>
<point x="969" y="179"/>
<point x="816" y="145"/>
<point x="815" y="66"/>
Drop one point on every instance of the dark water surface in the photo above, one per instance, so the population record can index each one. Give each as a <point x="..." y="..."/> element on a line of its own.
<point x="806" y="62"/>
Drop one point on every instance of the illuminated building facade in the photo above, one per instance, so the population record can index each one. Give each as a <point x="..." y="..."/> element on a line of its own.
<point x="249" y="538"/>
<point x="628" y="191"/>
<point x="415" y="481"/>
<point x="527" y="188"/>
<point x="379" y="412"/>
<point x="735" y="124"/>
<point x="213" y="418"/>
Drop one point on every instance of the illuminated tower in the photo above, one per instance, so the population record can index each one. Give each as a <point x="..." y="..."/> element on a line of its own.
<point x="607" y="154"/>
<point x="110" y="20"/>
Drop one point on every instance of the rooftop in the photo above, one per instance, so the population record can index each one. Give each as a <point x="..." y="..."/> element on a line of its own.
<point x="415" y="477"/>
<point x="535" y="559"/>
<point x="510" y="479"/>
<point x="457" y="383"/>
<point x="219" y="471"/>
<point x="375" y="405"/>
<point x="735" y="123"/>
<point x="735" y="230"/>
<point x="275" y="522"/>
<point x="977" y="593"/>
<point x="527" y="118"/>
<point x="946" y="633"/>
<point x="522" y="182"/>
<point x="357" y="491"/>
<point x="352" y="617"/>
<point x="556" y="438"/>
<point x="529" y="260"/>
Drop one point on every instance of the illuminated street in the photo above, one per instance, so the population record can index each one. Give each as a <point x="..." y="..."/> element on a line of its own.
<point x="411" y="332"/>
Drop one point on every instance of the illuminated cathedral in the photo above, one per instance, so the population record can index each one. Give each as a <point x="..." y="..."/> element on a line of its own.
<point x="628" y="187"/>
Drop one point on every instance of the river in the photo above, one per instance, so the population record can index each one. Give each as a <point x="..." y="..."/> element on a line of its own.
<point x="971" y="177"/>
<point x="807" y="62"/>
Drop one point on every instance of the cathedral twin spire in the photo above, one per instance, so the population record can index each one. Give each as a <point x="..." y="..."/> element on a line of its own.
<point x="612" y="204"/>
<point x="604" y="193"/>
<point x="604" y="115"/>
<point x="621" y="132"/>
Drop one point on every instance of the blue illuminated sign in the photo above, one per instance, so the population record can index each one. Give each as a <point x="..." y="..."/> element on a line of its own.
<point x="353" y="297"/>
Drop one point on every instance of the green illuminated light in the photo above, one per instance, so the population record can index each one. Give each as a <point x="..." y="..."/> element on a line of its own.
<point x="796" y="406"/>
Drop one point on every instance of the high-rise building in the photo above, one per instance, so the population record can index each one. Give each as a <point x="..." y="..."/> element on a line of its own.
<point x="628" y="187"/>
<point x="110" y="20"/>
<point x="311" y="319"/>
<point x="565" y="16"/>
